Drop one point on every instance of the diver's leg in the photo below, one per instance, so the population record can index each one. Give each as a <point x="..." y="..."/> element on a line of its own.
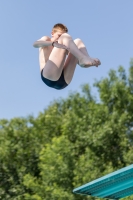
<point x="69" y="67"/>
<point x="54" y="65"/>
<point x="81" y="46"/>
<point x="72" y="61"/>
<point x="84" y="60"/>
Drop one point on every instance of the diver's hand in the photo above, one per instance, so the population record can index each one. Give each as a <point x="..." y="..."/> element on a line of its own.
<point x="57" y="45"/>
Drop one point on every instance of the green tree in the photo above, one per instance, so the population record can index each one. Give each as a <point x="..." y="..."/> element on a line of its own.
<point x="72" y="142"/>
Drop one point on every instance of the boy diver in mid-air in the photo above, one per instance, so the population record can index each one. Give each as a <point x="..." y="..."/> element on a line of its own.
<point x="59" y="55"/>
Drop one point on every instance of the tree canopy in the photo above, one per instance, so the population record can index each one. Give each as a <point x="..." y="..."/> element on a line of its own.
<point x="73" y="141"/>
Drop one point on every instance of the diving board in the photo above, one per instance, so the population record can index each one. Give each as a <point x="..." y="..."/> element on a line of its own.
<point x="116" y="185"/>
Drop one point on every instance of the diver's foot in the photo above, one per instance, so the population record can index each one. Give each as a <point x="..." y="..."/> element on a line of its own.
<point x="88" y="62"/>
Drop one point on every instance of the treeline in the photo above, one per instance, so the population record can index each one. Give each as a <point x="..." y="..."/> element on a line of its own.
<point x="72" y="142"/>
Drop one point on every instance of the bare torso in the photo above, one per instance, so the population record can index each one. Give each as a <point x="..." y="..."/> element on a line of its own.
<point x="44" y="53"/>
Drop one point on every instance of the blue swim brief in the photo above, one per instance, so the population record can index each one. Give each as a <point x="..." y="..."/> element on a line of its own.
<point x="59" y="84"/>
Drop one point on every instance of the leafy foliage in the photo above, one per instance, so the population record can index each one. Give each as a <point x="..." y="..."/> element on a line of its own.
<point x="72" y="142"/>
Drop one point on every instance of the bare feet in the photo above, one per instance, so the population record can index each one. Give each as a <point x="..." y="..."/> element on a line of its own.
<point x="88" y="62"/>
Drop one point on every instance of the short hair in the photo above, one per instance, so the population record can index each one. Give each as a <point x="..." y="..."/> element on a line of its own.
<point x="61" y="27"/>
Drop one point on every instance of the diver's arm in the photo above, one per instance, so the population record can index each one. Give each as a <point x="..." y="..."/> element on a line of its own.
<point x="39" y="44"/>
<point x="42" y="43"/>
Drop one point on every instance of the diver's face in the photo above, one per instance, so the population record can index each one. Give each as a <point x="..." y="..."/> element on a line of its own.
<point x="56" y="35"/>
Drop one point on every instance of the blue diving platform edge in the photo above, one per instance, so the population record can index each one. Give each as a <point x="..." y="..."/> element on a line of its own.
<point x="116" y="185"/>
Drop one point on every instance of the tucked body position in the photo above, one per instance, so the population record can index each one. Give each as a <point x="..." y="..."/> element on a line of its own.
<point x="59" y="55"/>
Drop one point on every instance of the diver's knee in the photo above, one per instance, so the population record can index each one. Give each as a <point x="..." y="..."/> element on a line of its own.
<point x="46" y="38"/>
<point x="64" y="36"/>
<point x="77" y="41"/>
